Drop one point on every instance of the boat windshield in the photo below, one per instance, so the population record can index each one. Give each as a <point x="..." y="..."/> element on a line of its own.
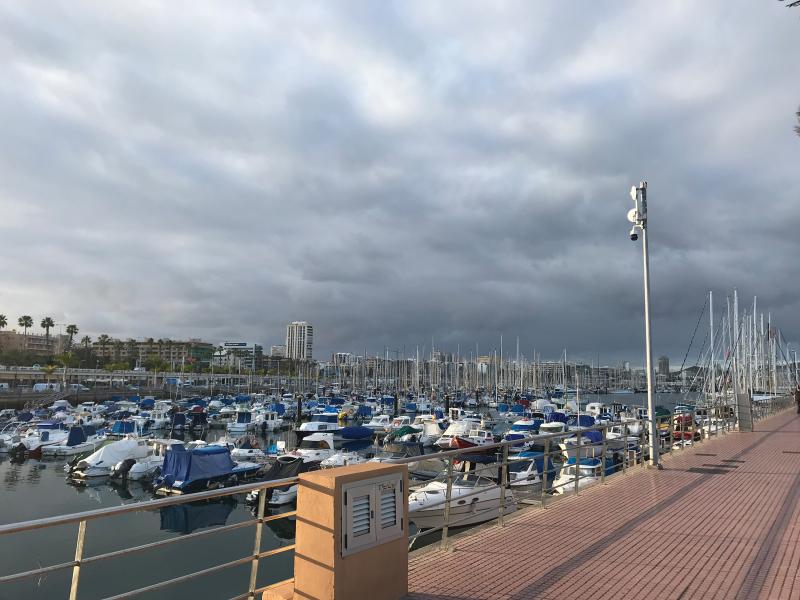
<point x="313" y="445"/>
<point x="518" y="466"/>
<point x="470" y="479"/>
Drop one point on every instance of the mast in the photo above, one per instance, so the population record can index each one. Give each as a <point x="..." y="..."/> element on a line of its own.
<point x="713" y="364"/>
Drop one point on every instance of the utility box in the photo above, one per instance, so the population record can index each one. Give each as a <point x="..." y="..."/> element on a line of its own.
<point x="352" y="533"/>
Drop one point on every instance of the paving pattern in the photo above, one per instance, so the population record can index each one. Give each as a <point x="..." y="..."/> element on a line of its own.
<point x="721" y="520"/>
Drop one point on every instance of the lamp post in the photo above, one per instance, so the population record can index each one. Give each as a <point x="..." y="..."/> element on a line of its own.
<point x="638" y="216"/>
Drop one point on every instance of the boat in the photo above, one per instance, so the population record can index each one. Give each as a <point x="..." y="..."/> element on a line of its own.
<point x="242" y="424"/>
<point x="187" y="471"/>
<point x="589" y="472"/>
<point x="314" y="447"/>
<point x="590" y="446"/>
<point x="342" y="459"/>
<point x="100" y="462"/>
<point x="80" y="439"/>
<point x="379" y="423"/>
<point x="475" y="438"/>
<point x="137" y="469"/>
<point x="319" y="423"/>
<point x="456" y="428"/>
<point x="474" y="499"/>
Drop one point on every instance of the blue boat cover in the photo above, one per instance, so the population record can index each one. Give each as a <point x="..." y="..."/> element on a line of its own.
<point x="187" y="466"/>
<point x="595" y="437"/>
<point x="122" y="427"/>
<point x="581" y="421"/>
<point x="334" y="410"/>
<point x="76" y="436"/>
<point x="178" y="420"/>
<point x="25" y="416"/>
<point x="557" y="417"/>
<point x="356" y="433"/>
<point x="336" y="401"/>
<point x="517" y="409"/>
<point x="242" y="398"/>
<point x="147" y="403"/>
<point x="502" y="407"/>
<point x="439" y="414"/>
<point x="411" y="406"/>
<point x="89" y="430"/>
<point x="278" y="408"/>
<point x="364" y="411"/>
<point x="134" y="399"/>
<point x="387" y="400"/>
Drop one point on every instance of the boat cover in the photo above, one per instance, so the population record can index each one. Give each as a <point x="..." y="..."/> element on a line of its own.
<point x="178" y="420"/>
<point x="122" y="427"/>
<point x="364" y="411"/>
<point x="76" y="436"/>
<point x="278" y="408"/>
<point x="552" y="417"/>
<point x="147" y="403"/>
<point x="355" y="433"/>
<point x="115" y="452"/>
<point x="581" y="421"/>
<point x="187" y="466"/>
<point x="404" y="430"/>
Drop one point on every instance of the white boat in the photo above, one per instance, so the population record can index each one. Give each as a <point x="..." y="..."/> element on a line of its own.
<point x="242" y="424"/>
<point x="281" y="496"/>
<point x="456" y="428"/>
<point x="317" y="446"/>
<point x="319" y="423"/>
<point x="588" y="471"/>
<point x="100" y="462"/>
<point x="80" y="439"/>
<point x="379" y="423"/>
<point x="590" y="446"/>
<point x="474" y="499"/>
<point x="268" y="420"/>
<point x="341" y="459"/>
<point x="146" y="466"/>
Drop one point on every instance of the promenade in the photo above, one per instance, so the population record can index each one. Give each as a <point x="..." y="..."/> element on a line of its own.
<point x="721" y="520"/>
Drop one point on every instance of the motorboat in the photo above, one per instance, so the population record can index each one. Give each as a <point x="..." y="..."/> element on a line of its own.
<point x="475" y="438"/>
<point x="379" y="423"/>
<point x="456" y="428"/>
<point x="242" y="423"/>
<point x="80" y="439"/>
<point x="101" y="461"/>
<point x="268" y="420"/>
<point x="341" y="459"/>
<point x="588" y="472"/>
<point x="521" y="429"/>
<point x="187" y="471"/>
<point x="244" y="448"/>
<point x="319" y="423"/>
<point x="474" y="499"/>
<point x="146" y="466"/>
<point x="315" y="447"/>
<point x="586" y="444"/>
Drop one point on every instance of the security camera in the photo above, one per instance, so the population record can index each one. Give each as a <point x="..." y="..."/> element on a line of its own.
<point x="634" y="235"/>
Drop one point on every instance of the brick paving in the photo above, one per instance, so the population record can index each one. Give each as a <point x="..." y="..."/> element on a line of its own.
<point x="672" y="533"/>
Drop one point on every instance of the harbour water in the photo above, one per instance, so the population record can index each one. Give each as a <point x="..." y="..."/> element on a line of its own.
<point x="35" y="489"/>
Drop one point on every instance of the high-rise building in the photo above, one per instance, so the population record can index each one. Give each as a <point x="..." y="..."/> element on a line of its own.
<point x="278" y="351"/>
<point x="663" y="365"/>
<point x="299" y="340"/>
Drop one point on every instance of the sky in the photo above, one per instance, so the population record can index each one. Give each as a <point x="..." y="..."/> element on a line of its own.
<point x="398" y="173"/>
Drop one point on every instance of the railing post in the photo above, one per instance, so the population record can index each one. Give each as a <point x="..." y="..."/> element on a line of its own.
<point x="603" y="456"/>
<point x="671" y="433"/>
<point x="447" y="497"/>
<point x="76" y="570"/>
<point x="577" y="460"/>
<point x="503" y="485"/>
<point x="544" y="475"/>
<point x="262" y="500"/>
<point x="626" y="452"/>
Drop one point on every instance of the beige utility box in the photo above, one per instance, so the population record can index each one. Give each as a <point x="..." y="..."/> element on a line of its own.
<point x="352" y="533"/>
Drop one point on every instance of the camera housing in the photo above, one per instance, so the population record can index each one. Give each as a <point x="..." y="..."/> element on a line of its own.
<point x="634" y="235"/>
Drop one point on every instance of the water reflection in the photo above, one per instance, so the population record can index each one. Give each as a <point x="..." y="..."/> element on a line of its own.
<point x="186" y="518"/>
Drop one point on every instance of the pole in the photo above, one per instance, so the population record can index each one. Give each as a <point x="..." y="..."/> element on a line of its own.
<point x="651" y="409"/>
<point x="713" y="367"/>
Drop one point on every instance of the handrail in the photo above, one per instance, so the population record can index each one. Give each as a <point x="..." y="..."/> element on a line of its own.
<point x="141" y="506"/>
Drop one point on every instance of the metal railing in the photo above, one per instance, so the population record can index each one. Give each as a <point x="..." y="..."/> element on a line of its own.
<point x="676" y="431"/>
<point x="83" y="518"/>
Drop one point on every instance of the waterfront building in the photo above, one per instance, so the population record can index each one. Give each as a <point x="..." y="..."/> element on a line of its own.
<point x="33" y="343"/>
<point x="239" y="356"/>
<point x="174" y="352"/>
<point x="299" y="340"/>
<point x="663" y="366"/>
<point x="278" y="351"/>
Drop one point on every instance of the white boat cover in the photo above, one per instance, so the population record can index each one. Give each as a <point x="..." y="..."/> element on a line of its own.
<point x="116" y="452"/>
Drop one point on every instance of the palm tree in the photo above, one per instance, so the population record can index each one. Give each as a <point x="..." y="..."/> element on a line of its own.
<point x="3" y="321"/>
<point x="46" y="324"/>
<point x="117" y="350"/>
<point x="25" y="321"/>
<point x="132" y="348"/>
<point x="48" y="370"/>
<point x="86" y="341"/>
<point x="72" y="331"/>
<point x="103" y="342"/>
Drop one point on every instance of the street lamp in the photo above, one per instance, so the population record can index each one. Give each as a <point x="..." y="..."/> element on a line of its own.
<point x="638" y="216"/>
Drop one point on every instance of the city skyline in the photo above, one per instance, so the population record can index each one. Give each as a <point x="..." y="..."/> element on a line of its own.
<point x="400" y="173"/>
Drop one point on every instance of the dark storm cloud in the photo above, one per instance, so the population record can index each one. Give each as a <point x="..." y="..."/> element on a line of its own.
<point x="397" y="173"/>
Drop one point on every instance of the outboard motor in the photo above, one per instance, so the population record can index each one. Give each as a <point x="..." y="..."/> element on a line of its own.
<point x="123" y="468"/>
